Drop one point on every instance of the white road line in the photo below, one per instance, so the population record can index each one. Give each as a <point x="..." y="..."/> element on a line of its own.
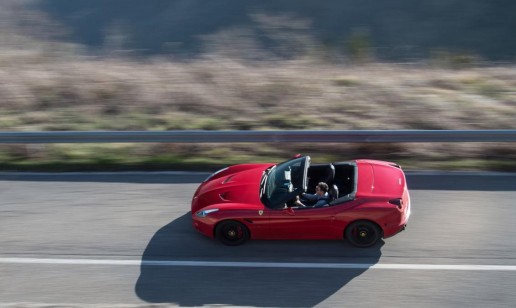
<point x="436" y="267"/>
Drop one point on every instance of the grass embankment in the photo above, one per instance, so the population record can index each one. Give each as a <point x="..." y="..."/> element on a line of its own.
<point x="73" y="93"/>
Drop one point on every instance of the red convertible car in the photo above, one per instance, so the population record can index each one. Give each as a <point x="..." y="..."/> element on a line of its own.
<point x="367" y="200"/>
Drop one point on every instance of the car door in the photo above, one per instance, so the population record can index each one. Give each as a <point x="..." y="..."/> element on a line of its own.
<point x="346" y="212"/>
<point x="302" y="223"/>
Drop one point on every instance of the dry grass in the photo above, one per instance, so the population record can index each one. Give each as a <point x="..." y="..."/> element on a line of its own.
<point x="219" y="93"/>
<point x="46" y="89"/>
<point x="51" y="85"/>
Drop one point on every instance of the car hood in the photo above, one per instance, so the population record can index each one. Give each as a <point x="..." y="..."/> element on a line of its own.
<point x="238" y="185"/>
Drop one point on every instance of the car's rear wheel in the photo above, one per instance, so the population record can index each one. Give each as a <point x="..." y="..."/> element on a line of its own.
<point x="363" y="233"/>
<point x="232" y="232"/>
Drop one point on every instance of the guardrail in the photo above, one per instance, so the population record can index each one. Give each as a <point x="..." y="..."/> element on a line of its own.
<point x="271" y="136"/>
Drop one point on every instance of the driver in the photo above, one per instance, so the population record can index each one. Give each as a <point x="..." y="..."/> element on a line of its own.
<point x="321" y="196"/>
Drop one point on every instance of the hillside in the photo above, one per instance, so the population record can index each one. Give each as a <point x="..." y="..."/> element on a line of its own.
<point x="218" y="93"/>
<point x="394" y="30"/>
<point x="103" y="65"/>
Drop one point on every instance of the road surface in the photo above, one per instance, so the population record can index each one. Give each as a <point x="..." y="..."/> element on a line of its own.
<point x="103" y="240"/>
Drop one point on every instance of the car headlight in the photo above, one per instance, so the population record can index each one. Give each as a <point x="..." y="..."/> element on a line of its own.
<point x="215" y="173"/>
<point x="204" y="213"/>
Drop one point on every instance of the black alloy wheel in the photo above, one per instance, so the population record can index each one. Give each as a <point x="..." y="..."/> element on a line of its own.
<point x="363" y="233"/>
<point x="232" y="233"/>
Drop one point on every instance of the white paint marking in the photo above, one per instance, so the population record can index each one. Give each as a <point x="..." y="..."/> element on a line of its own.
<point x="435" y="267"/>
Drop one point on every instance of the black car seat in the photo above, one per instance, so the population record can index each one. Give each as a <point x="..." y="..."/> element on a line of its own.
<point x="320" y="173"/>
<point x="330" y="175"/>
<point x="334" y="193"/>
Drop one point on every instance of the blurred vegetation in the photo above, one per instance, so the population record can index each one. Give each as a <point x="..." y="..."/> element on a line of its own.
<point x="394" y="29"/>
<point x="235" y="84"/>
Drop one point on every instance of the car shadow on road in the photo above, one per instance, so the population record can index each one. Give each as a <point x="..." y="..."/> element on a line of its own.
<point x="250" y="286"/>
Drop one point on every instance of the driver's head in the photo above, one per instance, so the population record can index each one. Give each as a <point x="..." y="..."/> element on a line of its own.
<point x="321" y="188"/>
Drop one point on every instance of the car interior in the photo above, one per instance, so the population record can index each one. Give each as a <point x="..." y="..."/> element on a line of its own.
<point x="341" y="178"/>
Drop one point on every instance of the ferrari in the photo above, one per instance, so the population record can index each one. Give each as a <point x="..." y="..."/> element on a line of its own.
<point x="367" y="200"/>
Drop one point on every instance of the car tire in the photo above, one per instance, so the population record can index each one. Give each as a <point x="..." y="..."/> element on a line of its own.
<point x="363" y="233"/>
<point x="232" y="233"/>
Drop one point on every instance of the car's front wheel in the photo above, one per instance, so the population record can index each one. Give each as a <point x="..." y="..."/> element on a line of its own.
<point x="363" y="233"/>
<point x="232" y="232"/>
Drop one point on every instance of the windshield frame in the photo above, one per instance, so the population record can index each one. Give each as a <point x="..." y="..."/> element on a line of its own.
<point x="284" y="181"/>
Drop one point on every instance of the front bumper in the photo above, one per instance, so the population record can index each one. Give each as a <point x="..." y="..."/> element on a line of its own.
<point x="203" y="225"/>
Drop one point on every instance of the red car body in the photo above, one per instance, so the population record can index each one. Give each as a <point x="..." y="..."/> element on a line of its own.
<point x="369" y="200"/>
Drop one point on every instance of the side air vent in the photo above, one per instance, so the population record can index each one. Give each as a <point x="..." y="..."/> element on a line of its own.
<point x="228" y="179"/>
<point x="223" y="196"/>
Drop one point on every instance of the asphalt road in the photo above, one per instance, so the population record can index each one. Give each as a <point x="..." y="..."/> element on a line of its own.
<point x="91" y="240"/>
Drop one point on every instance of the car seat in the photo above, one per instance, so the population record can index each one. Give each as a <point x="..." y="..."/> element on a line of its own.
<point x="320" y="173"/>
<point x="334" y="193"/>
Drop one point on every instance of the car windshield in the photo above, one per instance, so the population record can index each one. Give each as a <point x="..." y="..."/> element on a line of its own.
<point x="285" y="181"/>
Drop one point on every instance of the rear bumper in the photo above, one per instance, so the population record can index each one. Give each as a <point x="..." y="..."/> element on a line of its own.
<point x="395" y="228"/>
<point x="408" y="208"/>
<point x="391" y="231"/>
